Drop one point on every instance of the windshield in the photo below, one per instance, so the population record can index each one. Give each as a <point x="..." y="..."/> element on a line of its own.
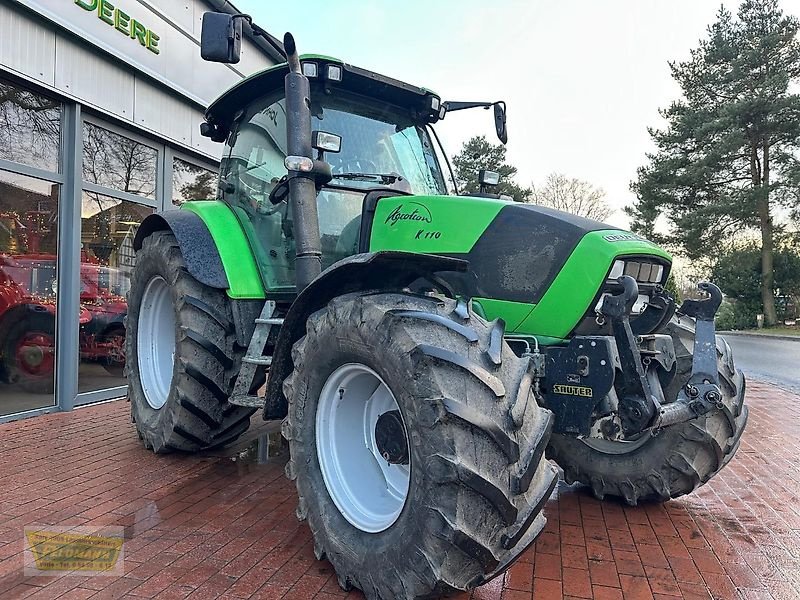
<point x="377" y="139"/>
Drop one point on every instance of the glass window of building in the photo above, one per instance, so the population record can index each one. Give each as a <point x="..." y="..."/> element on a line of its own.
<point x="192" y="182"/>
<point x="28" y="253"/>
<point x="118" y="162"/>
<point x="30" y="127"/>
<point x="108" y="226"/>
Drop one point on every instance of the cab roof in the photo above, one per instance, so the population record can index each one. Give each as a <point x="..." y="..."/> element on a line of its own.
<point x="223" y="110"/>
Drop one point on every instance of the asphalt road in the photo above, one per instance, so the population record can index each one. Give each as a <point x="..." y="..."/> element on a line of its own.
<point x="774" y="360"/>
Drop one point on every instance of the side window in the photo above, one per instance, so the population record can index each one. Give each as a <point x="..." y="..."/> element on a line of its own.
<point x="257" y="151"/>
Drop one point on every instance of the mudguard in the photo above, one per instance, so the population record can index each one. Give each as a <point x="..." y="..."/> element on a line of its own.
<point x="197" y="246"/>
<point x="372" y="271"/>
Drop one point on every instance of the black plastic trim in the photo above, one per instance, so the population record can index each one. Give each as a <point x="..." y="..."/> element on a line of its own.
<point x="197" y="246"/>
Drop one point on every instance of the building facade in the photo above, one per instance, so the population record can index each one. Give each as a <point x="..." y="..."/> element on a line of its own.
<point x="100" y="107"/>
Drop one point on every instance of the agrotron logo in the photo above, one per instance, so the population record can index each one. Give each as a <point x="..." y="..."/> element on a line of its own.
<point x="415" y="212"/>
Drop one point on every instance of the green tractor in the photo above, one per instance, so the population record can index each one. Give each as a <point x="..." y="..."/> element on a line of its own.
<point x="426" y="353"/>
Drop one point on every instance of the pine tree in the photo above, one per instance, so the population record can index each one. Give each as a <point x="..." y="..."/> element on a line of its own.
<point x="478" y="153"/>
<point x="727" y="160"/>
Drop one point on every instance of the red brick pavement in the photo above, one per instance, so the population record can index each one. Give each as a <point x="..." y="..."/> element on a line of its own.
<point x="204" y="527"/>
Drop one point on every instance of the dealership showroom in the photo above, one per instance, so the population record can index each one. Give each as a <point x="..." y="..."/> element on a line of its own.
<point x="100" y="107"/>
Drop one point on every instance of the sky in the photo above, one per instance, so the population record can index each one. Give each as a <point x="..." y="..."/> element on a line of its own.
<point x="582" y="79"/>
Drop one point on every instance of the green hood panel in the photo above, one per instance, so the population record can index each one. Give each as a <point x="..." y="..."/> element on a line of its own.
<point x="233" y="247"/>
<point x="579" y="281"/>
<point x="432" y="224"/>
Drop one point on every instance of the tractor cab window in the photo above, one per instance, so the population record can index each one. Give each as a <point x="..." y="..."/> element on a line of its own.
<point x="377" y="139"/>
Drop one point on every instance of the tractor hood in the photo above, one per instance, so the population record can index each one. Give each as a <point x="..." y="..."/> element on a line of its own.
<point x="521" y="256"/>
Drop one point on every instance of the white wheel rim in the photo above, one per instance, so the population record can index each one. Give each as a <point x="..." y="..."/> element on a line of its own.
<point x="368" y="491"/>
<point x="155" y="342"/>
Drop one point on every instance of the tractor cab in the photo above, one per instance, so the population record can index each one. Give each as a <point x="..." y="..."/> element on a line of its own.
<point x="373" y="132"/>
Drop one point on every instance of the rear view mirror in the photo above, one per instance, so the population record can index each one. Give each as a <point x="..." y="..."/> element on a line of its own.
<point x="221" y="38"/>
<point x="500" y="121"/>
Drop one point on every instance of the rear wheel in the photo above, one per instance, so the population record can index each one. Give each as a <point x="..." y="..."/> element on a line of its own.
<point x="181" y="354"/>
<point x="416" y="444"/>
<point x="679" y="458"/>
<point x="29" y="354"/>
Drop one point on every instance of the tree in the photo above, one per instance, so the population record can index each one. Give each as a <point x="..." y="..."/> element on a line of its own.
<point x="738" y="274"/>
<point x="572" y="195"/>
<point x="478" y="153"/>
<point x="727" y="160"/>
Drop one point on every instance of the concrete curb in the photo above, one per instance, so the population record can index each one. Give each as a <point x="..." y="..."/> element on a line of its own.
<point x="769" y="336"/>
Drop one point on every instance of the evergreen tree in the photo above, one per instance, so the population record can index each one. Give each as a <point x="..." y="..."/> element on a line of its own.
<point x="727" y="159"/>
<point x="478" y="153"/>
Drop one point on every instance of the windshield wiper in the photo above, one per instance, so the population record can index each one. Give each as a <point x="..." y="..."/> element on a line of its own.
<point x="385" y="178"/>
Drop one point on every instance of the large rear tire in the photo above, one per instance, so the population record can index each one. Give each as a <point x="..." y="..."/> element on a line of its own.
<point x="679" y="458"/>
<point x="469" y="499"/>
<point x="181" y="354"/>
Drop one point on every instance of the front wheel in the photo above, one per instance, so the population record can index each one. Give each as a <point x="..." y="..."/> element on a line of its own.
<point x="416" y="444"/>
<point x="677" y="459"/>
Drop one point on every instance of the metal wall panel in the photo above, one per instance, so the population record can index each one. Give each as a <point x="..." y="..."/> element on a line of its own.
<point x="159" y="111"/>
<point x="71" y="50"/>
<point x="93" y="78"/>
<point x="180" y="11"/>
<point x="178" y="59"/>
<point x="26" y="46"/>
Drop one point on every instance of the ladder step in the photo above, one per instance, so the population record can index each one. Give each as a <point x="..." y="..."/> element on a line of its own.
<point x="258" y="360"/>
<point x="269" y="321"/>
<point x="248" y="401"/>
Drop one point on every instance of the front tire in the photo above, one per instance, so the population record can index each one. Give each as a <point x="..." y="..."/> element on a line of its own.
<point x="181" y="354"/>
<point x="679" y="458"/>
<point x="470" y="498"/>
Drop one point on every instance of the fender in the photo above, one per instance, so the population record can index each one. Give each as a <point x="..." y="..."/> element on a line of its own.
<point x="214" y="246"/>
<point x="373" y="271"/>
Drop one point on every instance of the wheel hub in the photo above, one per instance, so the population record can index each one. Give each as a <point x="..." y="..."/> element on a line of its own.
<point x="390" y="438"/>
<point x="32" y="355"/>
<point x="362" y="447"/>
<point x="156" y="342"/>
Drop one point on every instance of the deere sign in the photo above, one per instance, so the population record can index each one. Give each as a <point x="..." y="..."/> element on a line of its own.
<point x="122" y="22"/>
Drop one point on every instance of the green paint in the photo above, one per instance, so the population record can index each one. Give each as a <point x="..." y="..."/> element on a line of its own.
<point x="513" y="313"/>
<point x="579" y="281"/>
<point x="139" y="32"/>
<point x="122" y="22"/>
<point x="233" y="247"/>
<point x="105" y="11"/>
<point x="432" y="224"/>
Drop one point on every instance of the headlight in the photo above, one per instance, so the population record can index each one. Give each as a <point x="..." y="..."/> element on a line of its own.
<point x="642" y="272"/>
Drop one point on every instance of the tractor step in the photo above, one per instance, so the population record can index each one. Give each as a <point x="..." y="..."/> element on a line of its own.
<point x="255" y="358"/>
<point x="248" y="401"/>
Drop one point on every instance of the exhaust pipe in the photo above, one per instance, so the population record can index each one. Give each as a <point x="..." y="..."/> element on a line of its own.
<point x="302" y="189"/>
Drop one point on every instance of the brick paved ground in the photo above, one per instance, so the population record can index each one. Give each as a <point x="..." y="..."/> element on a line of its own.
<point x="206" y="527"/>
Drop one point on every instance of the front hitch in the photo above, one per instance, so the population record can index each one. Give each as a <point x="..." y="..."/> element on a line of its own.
<point x="637" y="404"/>
<point x="701" y="393"/>
<point x="639" y="408"/>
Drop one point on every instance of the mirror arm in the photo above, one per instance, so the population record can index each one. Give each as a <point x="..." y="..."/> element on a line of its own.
<point x="262" y="33"/>
<point x="450" y="105"/>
